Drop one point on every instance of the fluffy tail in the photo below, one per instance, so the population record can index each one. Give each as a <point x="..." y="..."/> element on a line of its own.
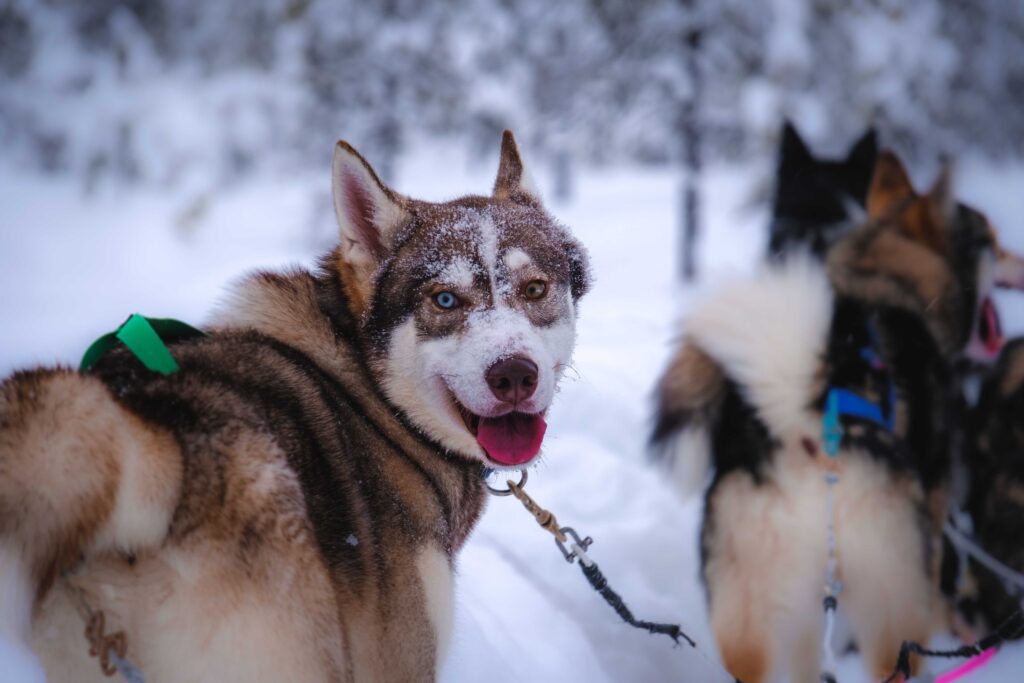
<point x="765" y="334"/>
<point x="78" y="474"/>
<point x="686" y="403"/>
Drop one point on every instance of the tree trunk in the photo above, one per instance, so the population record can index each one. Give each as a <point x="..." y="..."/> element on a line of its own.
<point x="689" y="125"/>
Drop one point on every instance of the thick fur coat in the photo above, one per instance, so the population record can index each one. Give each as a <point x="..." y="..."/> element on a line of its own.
<point x="289" y="505"/>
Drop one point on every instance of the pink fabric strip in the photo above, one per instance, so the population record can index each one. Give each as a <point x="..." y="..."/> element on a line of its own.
<point x="967" y="667"/>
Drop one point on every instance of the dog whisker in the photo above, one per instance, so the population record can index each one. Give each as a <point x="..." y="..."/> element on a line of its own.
<point x="569" y="366"/>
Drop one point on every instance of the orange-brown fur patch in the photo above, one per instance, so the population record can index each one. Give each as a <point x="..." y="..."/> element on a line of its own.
<point x="893" y="200"/>
<point x="890" y="187"/>
<point x="745" y="658"/>
<point x="692" y="380"/>
<point x="354" y="287"/>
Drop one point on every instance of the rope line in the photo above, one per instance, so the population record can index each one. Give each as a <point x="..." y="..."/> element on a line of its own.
<point x="833" y="587"/>
<point x="109" y="648"/>
<point x="573" y="548"/>
<point x="1011" y="579"/>
<point x="1010" y="629"/>
<point x="600" y="584"/>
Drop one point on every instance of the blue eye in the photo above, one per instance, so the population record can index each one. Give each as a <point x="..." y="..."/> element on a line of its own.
<point x="446" y="300"/>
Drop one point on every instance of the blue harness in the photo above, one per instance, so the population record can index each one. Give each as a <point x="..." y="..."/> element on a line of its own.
<point x="843" y="403"/>
<point x="840" y="403"/>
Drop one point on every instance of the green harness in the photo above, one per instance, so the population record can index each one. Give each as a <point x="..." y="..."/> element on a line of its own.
<point x="147" y="338"/>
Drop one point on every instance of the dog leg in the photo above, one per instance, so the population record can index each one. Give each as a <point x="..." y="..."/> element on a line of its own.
<point x="888" y="595"/>
<point x="744" y="649"/>
<point x="739" y="594"/>
<point x="739" y="604"/>
<point x="882" y="621"/>
<point x="805" y="651"/>
<point x="79" y="476"/>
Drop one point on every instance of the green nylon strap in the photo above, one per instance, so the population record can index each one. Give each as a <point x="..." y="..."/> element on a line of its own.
<point x="147" y="338"/>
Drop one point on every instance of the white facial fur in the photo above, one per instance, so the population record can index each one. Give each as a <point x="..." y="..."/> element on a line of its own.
<point x="422" y="376"/>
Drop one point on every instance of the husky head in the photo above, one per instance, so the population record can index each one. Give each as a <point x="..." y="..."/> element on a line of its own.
<point x="468" y="307"/>
<point x="932" y="254"/>
<point x="817" y="199"/>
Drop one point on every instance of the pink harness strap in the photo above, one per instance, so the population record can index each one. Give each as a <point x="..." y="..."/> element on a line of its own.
<point x="967" y="667"/>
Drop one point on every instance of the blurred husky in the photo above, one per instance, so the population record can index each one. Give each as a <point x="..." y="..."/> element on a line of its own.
<point x="995" y="502"/>
<point x="818" y="200"/>
<point x="745" y="393"/>
<point x="288" y="506"/>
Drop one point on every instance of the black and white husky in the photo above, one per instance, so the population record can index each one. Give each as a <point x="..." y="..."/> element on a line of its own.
<point x="994" y="460"/>
<point x="818" y="200"/>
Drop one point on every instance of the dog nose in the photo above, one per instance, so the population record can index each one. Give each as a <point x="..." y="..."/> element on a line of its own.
<point x="513" y="380"/>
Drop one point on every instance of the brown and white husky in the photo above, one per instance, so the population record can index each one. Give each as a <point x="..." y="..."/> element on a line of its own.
<point x="745" y="395"/>
<point x="288" y="506"/>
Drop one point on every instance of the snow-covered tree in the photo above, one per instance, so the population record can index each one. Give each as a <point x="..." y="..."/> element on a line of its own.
<point x="159" y="91"/>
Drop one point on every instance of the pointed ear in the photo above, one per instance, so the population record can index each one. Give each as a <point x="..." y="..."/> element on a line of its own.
<point x="890" y="185"/>
<point x="793" y="150"/>
<point x="941" y="201"/>
<point x="864" y="152"/>
<point x="860" y="163"/>
<point x="928" y="219"/>
<point x="368" y="213"/>
<point x="513" y="182"/>
<point x="579" y="269"/>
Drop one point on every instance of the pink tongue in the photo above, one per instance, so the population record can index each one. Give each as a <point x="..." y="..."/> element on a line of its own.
<point x="511" y="439"/>
<point x="994" y="339"/>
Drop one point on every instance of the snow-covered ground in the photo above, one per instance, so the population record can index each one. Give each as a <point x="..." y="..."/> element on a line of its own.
<point x="72" y="268"/>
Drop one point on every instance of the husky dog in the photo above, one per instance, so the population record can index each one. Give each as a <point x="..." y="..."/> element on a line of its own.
<point x="747" y="392"/>
<point x="995" y="462"/>
<point x="288" y="506"/>
<point x="817" y="200"/>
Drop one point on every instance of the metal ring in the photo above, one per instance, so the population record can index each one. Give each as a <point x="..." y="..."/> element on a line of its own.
<point x="504" y="492"/>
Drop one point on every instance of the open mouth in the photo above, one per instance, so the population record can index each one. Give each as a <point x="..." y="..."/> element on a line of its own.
<point x="510" y="439"/>
<point x="989" y="331"/>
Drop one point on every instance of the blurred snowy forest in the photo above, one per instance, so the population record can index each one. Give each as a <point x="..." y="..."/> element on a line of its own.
<point x="160" y="91"/>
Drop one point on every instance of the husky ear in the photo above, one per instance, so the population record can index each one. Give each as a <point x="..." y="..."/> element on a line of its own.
<point x="369" y="214"/>
<point x="941" y="201"/>
<point x="890" y="185"/>
<point x="927" y="219"/>
<point x="865" y="150"/>
<point x="513" y="181"/>
<point x="793" y="150"/>
<point x="864" y="153"/>
<point x="579" y="269"/>
<point x="860" y="162"/>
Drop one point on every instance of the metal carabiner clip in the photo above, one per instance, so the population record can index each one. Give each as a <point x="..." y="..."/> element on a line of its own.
<point x="582" y="543"/>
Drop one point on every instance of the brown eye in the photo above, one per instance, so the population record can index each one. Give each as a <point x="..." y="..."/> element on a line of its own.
<point x="535" y="289"/>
